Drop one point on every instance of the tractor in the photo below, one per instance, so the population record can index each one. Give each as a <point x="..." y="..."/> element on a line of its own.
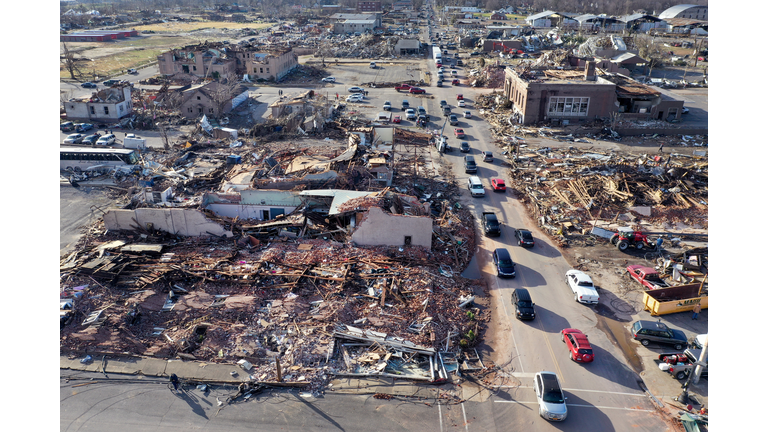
<point x="627" y="237"/>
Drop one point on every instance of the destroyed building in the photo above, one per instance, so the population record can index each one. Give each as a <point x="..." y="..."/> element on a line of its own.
<point x="218" y="60"/>
<point x="203" y="60"/>
<point x="106" y="105"/>
<point x="211" y="99"/>
<point x="579" y="92"/>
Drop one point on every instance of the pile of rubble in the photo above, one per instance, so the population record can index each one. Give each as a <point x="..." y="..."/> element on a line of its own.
<point x="366" y="46"/>
<point x="569" y="190"/>
<point x="307" y="302"/>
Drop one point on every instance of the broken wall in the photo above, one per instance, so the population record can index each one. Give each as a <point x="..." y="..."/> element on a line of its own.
<point x="379" y="228"/>
<point x="185" y="222"/>
<point x="383" y="135"/>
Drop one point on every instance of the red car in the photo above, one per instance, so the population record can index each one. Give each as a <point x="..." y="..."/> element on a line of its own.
<point x="458" y="132"/>
<point x="417" y="90"/>
<point x="455" y="82"/>
<point x="396" y="119"/>
<point x="439" y="65"/>
<point x="578" y="345"/>
<point x="498" y="184"/>
<point x="459" y="97"/>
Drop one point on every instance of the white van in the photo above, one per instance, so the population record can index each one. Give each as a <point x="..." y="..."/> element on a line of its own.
<point x="475" y="186"/>
<point x="373" y="65"/>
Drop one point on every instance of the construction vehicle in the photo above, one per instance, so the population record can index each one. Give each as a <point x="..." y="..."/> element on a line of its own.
<point x="627" y="237"/>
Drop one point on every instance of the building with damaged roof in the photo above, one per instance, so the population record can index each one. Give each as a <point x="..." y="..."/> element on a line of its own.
<point x="106" y="105"/>
<point x="581" y="93"/>
<point x="204" y="60"/>
<point x="212" y="99"/>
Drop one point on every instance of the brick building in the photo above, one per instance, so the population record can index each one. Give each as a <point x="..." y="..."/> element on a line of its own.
<point x="369" y="6"/>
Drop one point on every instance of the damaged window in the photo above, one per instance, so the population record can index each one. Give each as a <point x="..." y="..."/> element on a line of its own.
<point x="568" y="106"/>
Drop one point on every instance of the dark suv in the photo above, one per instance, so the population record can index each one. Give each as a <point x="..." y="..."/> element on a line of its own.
<point x="503" y="262"/>
<point x="655" y="331"/>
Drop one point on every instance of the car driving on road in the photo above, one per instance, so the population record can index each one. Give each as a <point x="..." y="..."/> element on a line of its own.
<point x="550" y="396"/>
<point x="578" y="345"/>
<point x="505" y="267"/>
<point x="356" y="90"/>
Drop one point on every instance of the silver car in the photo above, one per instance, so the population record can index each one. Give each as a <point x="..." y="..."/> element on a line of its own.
<point x="549" y="394"/>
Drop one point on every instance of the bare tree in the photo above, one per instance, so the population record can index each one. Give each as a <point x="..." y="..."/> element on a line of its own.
<point x="70" y="62"/>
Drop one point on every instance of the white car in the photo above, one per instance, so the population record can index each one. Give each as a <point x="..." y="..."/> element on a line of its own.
<point x="74" y="139"/>
<point x="462" y="104"/>
<point x="467" y="114"/>
<point x="583" y="289"/>
<point x="356" y="90"/>
<point x="474" y="72"/>
<point x="354" y="98"/>
<point x="108" y="139"/>
<point x="550" y="396"/>
<point x="410" y="114"/>
<point x="329" y="79"/>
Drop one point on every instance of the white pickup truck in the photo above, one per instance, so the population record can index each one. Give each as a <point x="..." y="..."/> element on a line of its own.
<point x="583" y="289"/>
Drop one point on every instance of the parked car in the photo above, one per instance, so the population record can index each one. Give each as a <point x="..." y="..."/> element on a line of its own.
<point x="387" y="106"/>
<point x="524" y="238"/>
<point x="67" y="126"/>
<point x="656" y="331"/>
<point x="88" y="85"/>
<point x="475" y="53"/>
<point x="110" y="83"/>
<point x="90" y="139"/>
<point x="356" y="90"/>
<point x="583" y="289"/>
<point x="443" y="103"/>
<point x="329" y="79"/>
<point x="467" y="114"/>
<point x="417" y="90"/>
<point x="550" y="396"/>
<point x="459" y="132"/>
<point x="685" y="110"/>
<point x="107" y="139"/>
<point x="578" y="345"/>
<point x="74" y="138"/>
<point x="355" y="98"/>
<point x="82" y="127"/>
<point x="464" y="148"/>
<point x="396" y="119"/>
<point x="498" y="185"/>
<point x="133" y="72"/>
<point x="503" y="262"/>
<point x="410" y="114"/>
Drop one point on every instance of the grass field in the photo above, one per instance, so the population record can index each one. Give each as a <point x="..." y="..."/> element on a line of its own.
<point x="174" y="27"/>
<point x="110" y="58"/>
<point x="117" y="63"/>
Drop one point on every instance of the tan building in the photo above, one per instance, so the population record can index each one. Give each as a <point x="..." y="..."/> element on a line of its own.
<point x="271" y="64"/>
<point x="580" y="95"/>
<point x="205" y="61"/>
<point x="212" y="99"/>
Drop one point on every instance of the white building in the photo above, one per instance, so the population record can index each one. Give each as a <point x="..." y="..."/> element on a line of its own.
<point x="105" y="105"/>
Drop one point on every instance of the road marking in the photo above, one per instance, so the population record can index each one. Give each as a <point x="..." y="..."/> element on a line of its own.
<point x="575" y="390"/>
<point x="579" y="405"/>
<point x="440" y="415"/>
<point x="551" y="351"/>
<point x="466" y="426"/>
<point x="607" y="407"/>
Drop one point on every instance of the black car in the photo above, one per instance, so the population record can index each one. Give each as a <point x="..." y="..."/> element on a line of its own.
<point x="491" y="226"/>
<point x="90" y="139"/>
<point x="88" y="85"/>
<point x="505" y="267"/>
<point x="524" y="306"/>
<point x="656" y="331"/>
<point x="524" y="238"/>
<point x="464" y="147"/>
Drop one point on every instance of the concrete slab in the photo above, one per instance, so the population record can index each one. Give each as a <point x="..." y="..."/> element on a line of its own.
<point x="473" y="269"/>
